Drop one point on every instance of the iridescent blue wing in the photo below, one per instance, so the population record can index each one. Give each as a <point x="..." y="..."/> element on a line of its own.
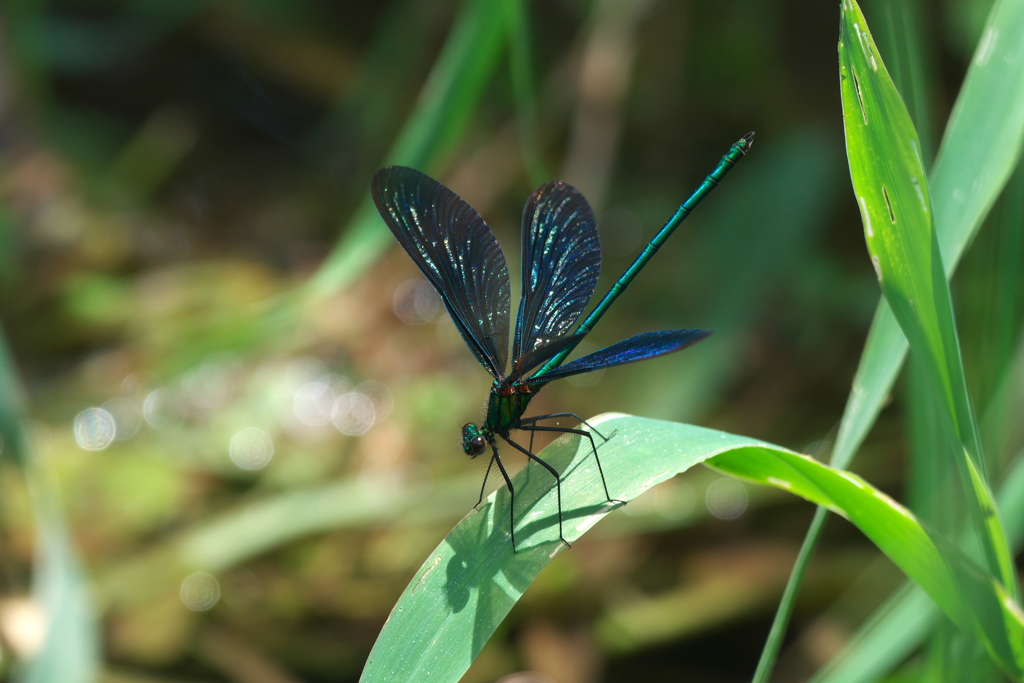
<point x="561" y="262"/>
<point x="639" y="347"/>
<point x="457" y="253"/>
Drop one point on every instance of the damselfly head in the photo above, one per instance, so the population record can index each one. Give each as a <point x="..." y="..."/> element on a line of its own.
<point x="474" y="442"/>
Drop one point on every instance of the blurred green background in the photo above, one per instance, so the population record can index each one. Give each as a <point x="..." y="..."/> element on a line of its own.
<point x="241" y="403"/>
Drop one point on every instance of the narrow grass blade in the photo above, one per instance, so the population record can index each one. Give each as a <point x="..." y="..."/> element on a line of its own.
<point x="521" y="68"/>
<point x="893" y="195"/>
<point x="784" y="612"/>
<point x="462" y="71"/>
<point x="884" y="352"/>
<point x="973" y="601"/>
<point x="904" y="621"/>
<point x="236" y="536"/>
<point x="71" y="647"/>
<point x="897" y="627"/>
<point x="470" y="582"/>
<point x="903" y="34"/>
<point x="979" y="150"/>
<point x="983" y="138"/>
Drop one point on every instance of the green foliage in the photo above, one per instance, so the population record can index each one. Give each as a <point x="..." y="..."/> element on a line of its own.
<point x="460" y="74"/>
<point x="887" y="169"/>
<point x="70" y="650"/>
<point x="980" y="147"/>
<point x="188" y="244"/>
<point x="468" y="584"/>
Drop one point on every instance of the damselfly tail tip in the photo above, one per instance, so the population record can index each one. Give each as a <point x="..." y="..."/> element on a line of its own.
<point x="749" y="138"/>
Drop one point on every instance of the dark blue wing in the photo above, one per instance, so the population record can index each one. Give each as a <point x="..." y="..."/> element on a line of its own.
<point x="457" y="253"/>
<point x="646" y="345"/>
<point x="561" y="262"/>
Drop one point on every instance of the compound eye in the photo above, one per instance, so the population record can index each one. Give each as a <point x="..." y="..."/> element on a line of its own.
<point x="477" y="445"/>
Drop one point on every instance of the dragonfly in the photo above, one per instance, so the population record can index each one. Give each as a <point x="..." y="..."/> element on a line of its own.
<point x="561" y="260"/>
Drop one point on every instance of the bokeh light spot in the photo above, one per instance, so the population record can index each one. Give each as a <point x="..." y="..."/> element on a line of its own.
<point x="251" y="448"/>
<point x="416" y="302"/>
<point x="675" y="499"/>
<point x="94" y="429"/>
<point x="314" y="402"/>
<point x="24" y="624"/>
<point x="127" y="417"/>
<point x="353" y="414"/>
<point x="200" y="591"/>
<point x="726" y="498"/>
<point x="380" y="396"/>
<point x="156" y="409"/>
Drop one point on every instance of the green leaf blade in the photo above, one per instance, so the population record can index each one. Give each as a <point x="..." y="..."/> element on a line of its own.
<point x="446" y="104"/>
<point x="983" y="138"/>
<point x="890" y="185"/>
<point x="471" y="581"/>
<point x="980" y="147"/>
<point x="888" y="179"/>
<point x="975" y="602"/>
